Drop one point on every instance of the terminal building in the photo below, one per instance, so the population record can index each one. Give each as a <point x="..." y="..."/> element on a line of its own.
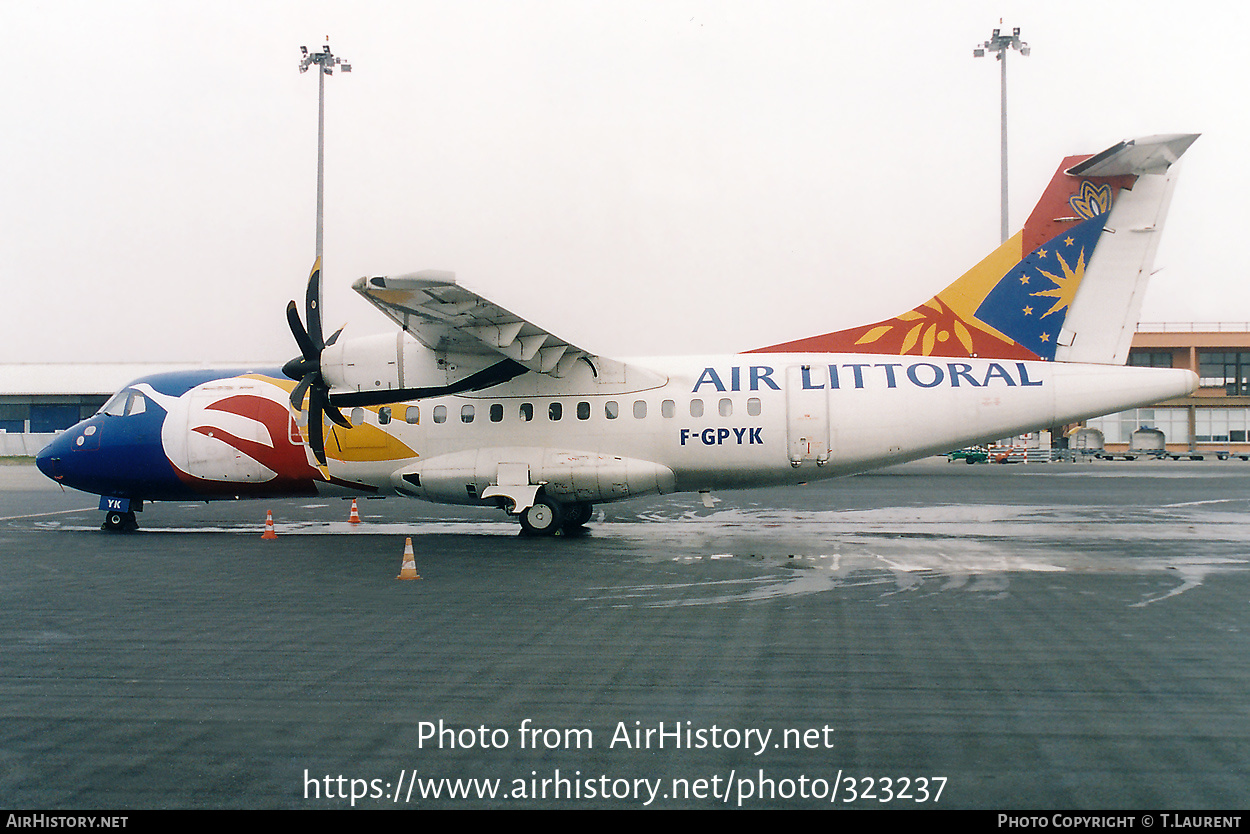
<point x="39" y="400"/>
<point x="1214" y="418"/>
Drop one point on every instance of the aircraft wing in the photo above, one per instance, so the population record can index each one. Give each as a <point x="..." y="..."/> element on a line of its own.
<point x="446" y="317"/>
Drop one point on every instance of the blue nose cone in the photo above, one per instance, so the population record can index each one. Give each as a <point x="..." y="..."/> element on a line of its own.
<point x="119" y="456"/>
<point x="49" y="458"/>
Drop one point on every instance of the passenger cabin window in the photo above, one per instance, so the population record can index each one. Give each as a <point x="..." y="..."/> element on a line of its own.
<point x="412" y="414"/>
<point x="696" y="408"/>
<point x="466" y="414"/>
<point x="384" y="415"/>
<point x="583" y="411"/>
<point x="496" y="413"/>
<point x="555" y="411"/>
<point x="726" y="407"/>
<point x="527" y="411"/>
<point x="640" y="409"/>
<point x="440" y="414"/>
<point x="358" y="416"/>
<point x="753" y="406"/>
<point x="611" y="410"/>
<point x="668" y="408"/>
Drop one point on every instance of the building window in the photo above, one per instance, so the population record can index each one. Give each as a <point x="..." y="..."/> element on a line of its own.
<point x="1119" y="428"/>
<point x="1220" y="425"/>
<point x="1230" y="371"/>
<point x="1150" y="358"/>
<point x="46" y="418"/>
<point x="13" y="417"/>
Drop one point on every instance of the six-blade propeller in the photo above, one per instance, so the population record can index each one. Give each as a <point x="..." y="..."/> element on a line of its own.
<point x="307" y="366"/>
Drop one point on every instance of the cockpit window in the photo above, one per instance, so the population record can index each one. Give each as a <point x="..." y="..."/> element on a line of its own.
<point x="116" y="406"/>
<point x="125" y="402"/>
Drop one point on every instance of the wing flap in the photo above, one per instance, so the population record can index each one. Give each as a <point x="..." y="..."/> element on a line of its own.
<point x="448" y="317"/>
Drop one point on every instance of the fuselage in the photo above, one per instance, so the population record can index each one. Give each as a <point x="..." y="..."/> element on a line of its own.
<point x="661" y="425"/>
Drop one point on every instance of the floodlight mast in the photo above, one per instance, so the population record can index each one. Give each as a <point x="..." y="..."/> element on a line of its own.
<point x="999" y="44"/>
<point x="326" y="61"/>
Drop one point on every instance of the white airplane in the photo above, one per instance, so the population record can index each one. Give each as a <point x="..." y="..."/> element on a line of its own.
<point x="468" y="403"/>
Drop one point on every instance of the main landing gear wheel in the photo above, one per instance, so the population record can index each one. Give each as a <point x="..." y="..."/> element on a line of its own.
<point x="119" y="522"/>
<point x="575" y="515"/>
<point x="542" y="519"/>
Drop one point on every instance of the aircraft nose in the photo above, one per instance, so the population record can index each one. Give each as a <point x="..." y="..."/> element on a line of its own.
<point x="49" y="459"/>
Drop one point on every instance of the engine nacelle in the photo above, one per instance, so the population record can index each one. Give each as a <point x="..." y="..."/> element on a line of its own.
<point x="395" y="362"/>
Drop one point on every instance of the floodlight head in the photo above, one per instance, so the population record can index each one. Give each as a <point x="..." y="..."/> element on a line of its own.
<point x="976" y="53"/>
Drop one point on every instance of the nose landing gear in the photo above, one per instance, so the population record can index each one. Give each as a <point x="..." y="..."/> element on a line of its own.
<point x="116" y="521"/>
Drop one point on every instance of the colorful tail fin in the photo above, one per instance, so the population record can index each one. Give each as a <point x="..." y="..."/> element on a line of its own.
<point x="1068" y="287"/>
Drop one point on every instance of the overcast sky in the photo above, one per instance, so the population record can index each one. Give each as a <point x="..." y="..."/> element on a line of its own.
<point x="638" y="177"/>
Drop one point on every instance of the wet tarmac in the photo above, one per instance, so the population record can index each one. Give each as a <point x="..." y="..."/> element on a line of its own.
<point x="1066" y="636"/>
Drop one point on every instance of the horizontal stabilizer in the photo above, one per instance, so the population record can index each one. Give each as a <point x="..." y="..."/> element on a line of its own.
<point x="1151" y="155"/>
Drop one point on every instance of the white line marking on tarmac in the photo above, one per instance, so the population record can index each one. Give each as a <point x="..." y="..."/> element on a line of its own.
<point x="41" y="515"/>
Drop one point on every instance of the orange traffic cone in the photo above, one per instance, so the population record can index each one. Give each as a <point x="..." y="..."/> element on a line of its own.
<point x="355" y="516"/>
<point x="409" y="569"/>
<point x="269" y="533"/>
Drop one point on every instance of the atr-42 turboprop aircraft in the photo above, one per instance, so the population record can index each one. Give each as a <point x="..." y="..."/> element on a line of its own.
<point x="470" y="404"/>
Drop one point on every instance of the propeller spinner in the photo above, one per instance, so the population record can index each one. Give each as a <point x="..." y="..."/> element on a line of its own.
<point x="307" y="367"/>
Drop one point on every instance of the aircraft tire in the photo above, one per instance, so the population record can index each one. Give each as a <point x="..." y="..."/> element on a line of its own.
<point x="118" y="522"/>
<point x="543" y="519"/>
<point x="575" y="515"/>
